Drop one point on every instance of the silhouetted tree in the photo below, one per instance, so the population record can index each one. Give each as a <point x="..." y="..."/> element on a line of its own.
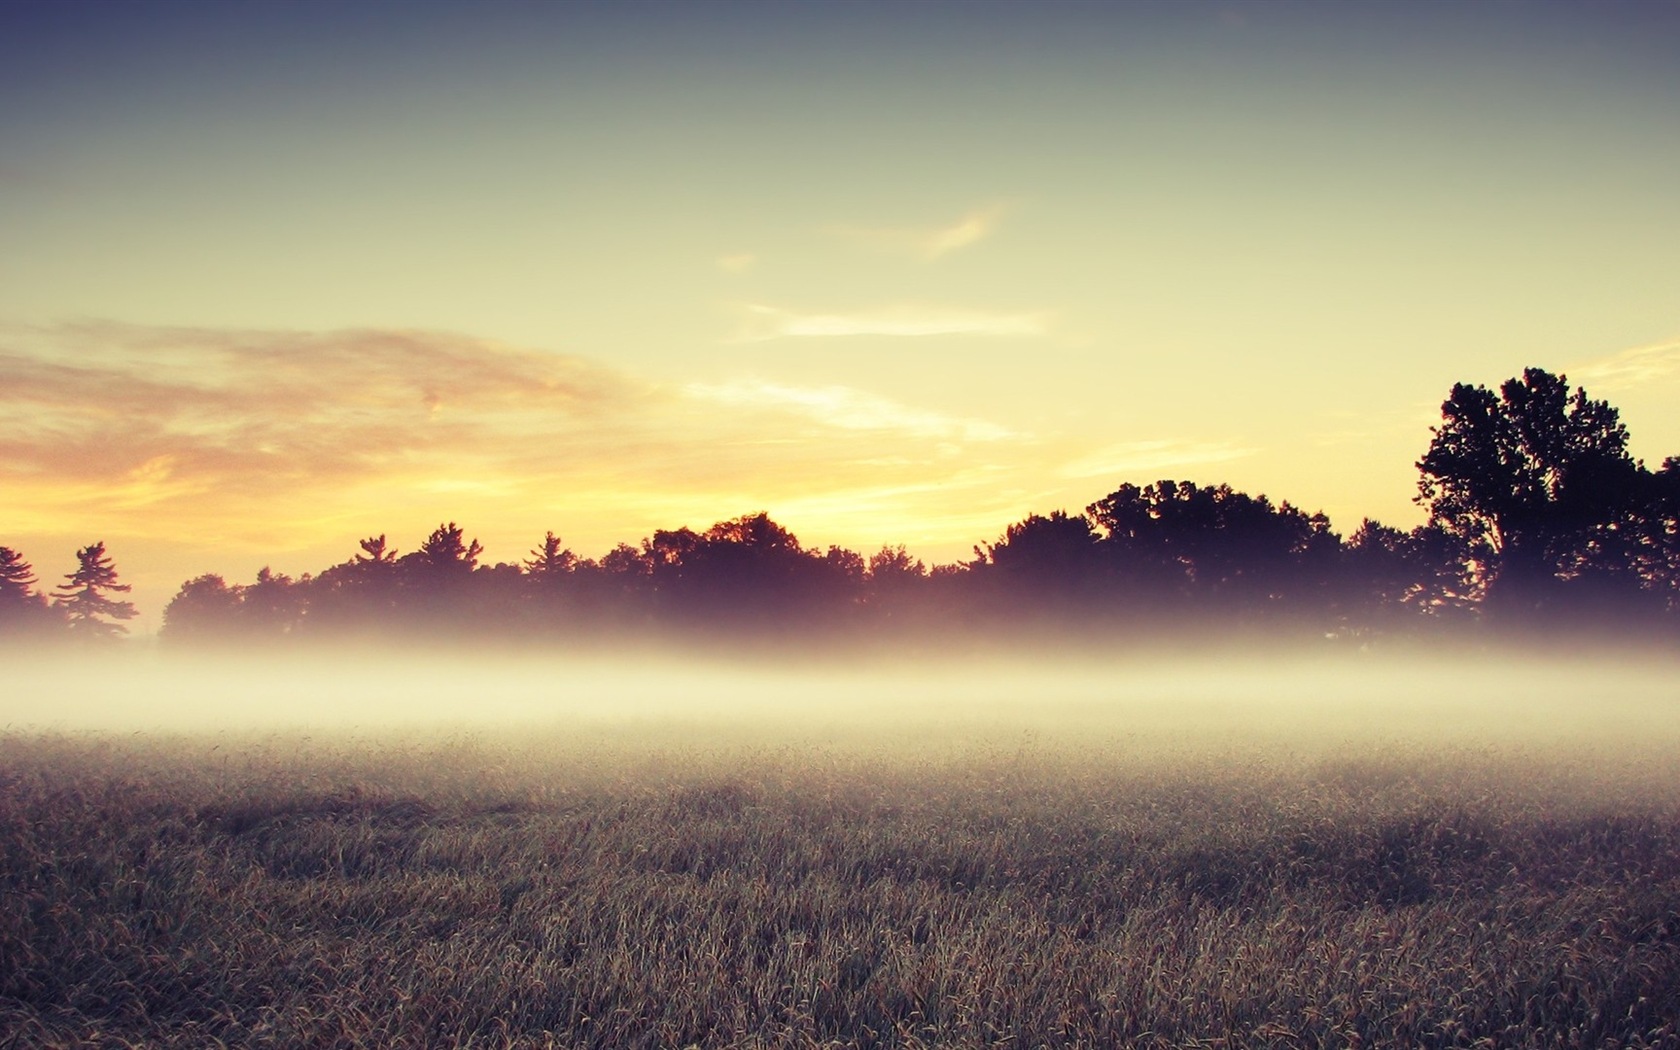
<point x="1388" y="576"/>
<point x="845" y="576"/>
<point x="355" y="595"/>
<point x="436" y="579"/>
<point x="846" y="563"/>
<point x="665" y="551"/>
<point x="550" y="562"/>
<point x="743" y="569"/>
<point x="1538" y="484"/>
<point x="1646" y="539"/>
<point x="624" y="561"/>
<point x="610" y="593"/>
<point x="548" y="581"/>
<point x="755" y="532"/>
<point x="1223" y="548"/>
<point x="1049" y="560"/>
<point x="83" y="598"/>
<point x="375" y="552"/>
<point x="493" y="602"/>
<point x="204" y="609"/>
<point x="23" y="608"/>
<point x="272" y="606"/>
<point x="1661" y="559"/>
<point x="17" y="577"/>
<point x="447" y="551"/>
<point x="892" y="568"/>
<point x="895" y="589"/>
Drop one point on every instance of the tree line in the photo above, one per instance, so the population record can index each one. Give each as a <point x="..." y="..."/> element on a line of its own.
<point x="1538" y="517"/>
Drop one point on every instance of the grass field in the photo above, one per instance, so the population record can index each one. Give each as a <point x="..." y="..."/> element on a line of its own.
<point x="649" y="884"/>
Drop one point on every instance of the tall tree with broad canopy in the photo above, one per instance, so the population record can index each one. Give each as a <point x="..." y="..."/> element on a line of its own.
<point x="1537" y="482"/>
<point x="83" y="596"/>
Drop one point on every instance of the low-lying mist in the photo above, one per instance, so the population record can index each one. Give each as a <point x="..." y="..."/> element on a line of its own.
<point x="1051" y="704"/>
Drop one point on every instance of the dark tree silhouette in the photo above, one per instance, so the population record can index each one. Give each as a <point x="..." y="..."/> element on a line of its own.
<point x="1050" y="560"/>
<point x="844" y="576"/>
<point x="744" y="570"/>
<point x="1654" y="536"/>
<point x="437" y="580"/>
<point x="895" y="591"/>
<point x="550" y="562"/>
<point x="623" y="561"/>
<point x="83" y="598"/>
<point x="357" y="594"/>
<point x="1538" y="484"/>
<point x="447" y="551"/>
<point x="754" y="532"/>
<point x="23" y="608"/>
<point x="204" y="609"/>
<point x="622" y="576"/>
<point x="375" y="552"/>
<point x="272" y="606"/>
<point x="548" y="586"/>
<point x="846" y="564"/>
<point x="1218" y="547"/>
<point x="1388" y="576"/>
<point x="17" y="577"/>
<point x="665" y="551"/>
<point x="892" y="568"/>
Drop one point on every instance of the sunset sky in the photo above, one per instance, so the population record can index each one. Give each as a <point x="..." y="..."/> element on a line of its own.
<point x="275" y="277"/>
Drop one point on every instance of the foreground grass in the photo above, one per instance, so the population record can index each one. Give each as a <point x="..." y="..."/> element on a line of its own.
<point x="472" y="895"/>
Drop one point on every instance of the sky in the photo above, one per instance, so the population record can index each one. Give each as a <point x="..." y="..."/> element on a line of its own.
<point x="278" y="276"/>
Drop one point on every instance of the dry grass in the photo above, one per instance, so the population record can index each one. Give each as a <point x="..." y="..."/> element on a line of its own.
<point x="587" y="894"/>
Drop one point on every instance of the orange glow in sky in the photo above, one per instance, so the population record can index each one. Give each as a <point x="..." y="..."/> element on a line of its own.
<point x="279" y="277"/>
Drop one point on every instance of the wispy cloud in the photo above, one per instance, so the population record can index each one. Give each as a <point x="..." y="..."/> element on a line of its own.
<point x="736" y="262"/>
<point x="258" y="440"/>
<point x="926" y="243"/>
<point x="236" y="409"/>
<point x="1135" y="460"/>
<point x="846" y="408"/>
<point x="760" y="322"/>
<point x="1635" y="367"/>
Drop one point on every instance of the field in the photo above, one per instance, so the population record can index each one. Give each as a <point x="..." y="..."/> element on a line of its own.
<point x="1177" y="873"/>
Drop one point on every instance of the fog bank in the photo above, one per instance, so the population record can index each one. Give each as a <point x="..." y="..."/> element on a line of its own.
<point x="1614" y="703"/>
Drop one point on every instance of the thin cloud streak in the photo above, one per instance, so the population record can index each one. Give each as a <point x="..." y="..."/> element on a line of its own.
<point x="846" y="408"/>
<point x="925" y="243"/>
<point x="1629" y="369"/>
<point x="762" y="322"/>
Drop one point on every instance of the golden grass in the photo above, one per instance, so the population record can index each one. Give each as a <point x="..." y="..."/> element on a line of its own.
<point x="592" y="893"/>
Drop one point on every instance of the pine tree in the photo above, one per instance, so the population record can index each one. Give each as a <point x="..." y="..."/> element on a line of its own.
<point x="83" y="599"/>
<point x="16" y="578"/>
<point x="376" y="552"/>
<point x="550" y="561"/>
<point x="23" y="608"/>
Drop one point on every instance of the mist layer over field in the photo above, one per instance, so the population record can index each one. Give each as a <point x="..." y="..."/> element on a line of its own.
<point x="1185" y="701"/>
